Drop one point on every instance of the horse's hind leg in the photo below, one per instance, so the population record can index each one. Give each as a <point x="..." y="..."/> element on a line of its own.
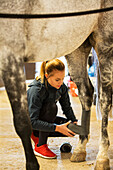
<point x="77" y="63"/>
<point x="105" y="56"/>
<point x="13" y="76"/>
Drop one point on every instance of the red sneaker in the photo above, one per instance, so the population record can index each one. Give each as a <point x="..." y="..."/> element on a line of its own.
<point x="44" y="152"/>
<point x="35" y="139"/>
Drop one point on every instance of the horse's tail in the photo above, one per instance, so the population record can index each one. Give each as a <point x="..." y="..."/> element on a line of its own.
<point x="98" y="112"/>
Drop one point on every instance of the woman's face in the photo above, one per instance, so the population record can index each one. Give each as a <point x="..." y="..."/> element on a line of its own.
<point x="55" y="78"/>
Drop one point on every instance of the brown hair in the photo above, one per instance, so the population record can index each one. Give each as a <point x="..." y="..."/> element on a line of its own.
<point x="49" y="66"/>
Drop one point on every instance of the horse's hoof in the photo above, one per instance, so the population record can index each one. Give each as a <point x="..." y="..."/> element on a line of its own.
<point x="102" y="165"/>
<point x="78" y="157"/>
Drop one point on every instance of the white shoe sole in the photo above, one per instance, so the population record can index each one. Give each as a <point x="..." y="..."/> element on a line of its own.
<point x="33" y="144"/>
<point x="38" y="154"/>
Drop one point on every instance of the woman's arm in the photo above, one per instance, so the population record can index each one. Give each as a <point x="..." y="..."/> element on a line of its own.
<point x="64" y="130"/>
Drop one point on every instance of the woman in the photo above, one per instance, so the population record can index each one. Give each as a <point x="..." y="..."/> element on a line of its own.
<point x="43" y="94"/>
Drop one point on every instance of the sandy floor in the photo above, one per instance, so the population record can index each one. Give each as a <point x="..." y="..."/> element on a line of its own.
<point x="11" y="150"/>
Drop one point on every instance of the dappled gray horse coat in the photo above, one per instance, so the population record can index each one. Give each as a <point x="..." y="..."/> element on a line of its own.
<point x="30" y="40"/>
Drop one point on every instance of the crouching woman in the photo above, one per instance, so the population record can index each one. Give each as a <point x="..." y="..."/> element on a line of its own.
<point x="43" y="94"/>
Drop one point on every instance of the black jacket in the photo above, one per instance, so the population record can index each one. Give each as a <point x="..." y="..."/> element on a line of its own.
<point x="37" y="94"/>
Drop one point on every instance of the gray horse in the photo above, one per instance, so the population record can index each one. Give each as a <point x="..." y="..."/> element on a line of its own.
<point x="30" y="40"/>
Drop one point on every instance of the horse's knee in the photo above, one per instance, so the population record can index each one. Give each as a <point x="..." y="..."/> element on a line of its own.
<point x="86" y="91"/>
<point x="22" y="124"/>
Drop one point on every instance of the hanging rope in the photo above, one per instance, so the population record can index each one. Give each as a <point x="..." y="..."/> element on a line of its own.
<point x="44" y="16"/>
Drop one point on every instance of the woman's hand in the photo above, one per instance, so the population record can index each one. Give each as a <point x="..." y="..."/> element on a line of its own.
<point x="64" y="130"/>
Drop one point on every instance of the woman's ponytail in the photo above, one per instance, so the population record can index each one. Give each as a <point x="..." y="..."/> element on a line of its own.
<point x="42" y="72"/>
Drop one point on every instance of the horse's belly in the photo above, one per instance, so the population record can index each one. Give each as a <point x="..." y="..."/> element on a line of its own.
<point x="58" y="37"/>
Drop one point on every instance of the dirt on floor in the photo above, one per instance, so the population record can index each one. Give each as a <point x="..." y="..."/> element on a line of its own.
<point x="12" y="153"/>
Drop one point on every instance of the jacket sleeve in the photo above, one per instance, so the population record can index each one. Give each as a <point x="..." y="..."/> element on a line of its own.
<point x="66" y="105"/>
<point x="35" y="100"/>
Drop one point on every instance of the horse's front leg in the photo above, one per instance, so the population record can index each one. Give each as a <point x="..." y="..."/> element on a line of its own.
<point x="13" y="76"/>
<point x="77" y="62"/>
